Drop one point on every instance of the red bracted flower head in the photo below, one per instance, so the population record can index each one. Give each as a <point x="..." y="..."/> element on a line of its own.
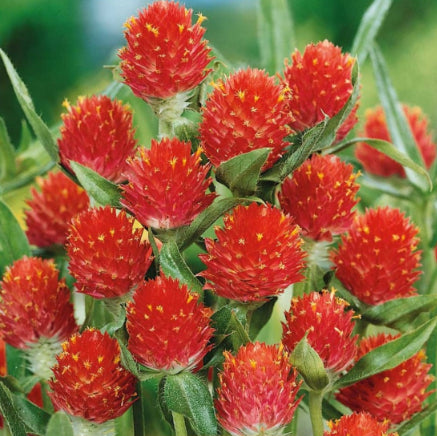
<point x="167" y="185"/>
<point x="377" y="260"/>
<point x="329" y="327"/>
<point x="88" y="379"/>
<point x="395" y="394"/>
<point x="35" y="304"/>
<point x="165" y="53"/>
<point x="97" y="133"/>
<point x="107" y="254"/>
<point x="378" y="163"/>
<point x="320" y="84"/>
<point x="169" y="329"/>
<point x="320" y="196"/>
<point x="358" y="424"/>
<point x="51" y="209"/>
<point x="256" y="255"/>
<point x="245" y="112"/>
<point x="257" y="393"/>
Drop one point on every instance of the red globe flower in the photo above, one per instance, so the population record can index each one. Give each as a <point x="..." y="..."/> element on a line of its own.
<point x="377" y="260"/>
<point x="329" y="327"/>
<point x="358" y="424"/>
<point x="88" y="379"/>
<point x="395" y="394"/>
<point x="257" y="254"/>
<point x="169" y="329"/>
<point x="107" y="254"/>
<point x="378" y="163"/>
<point x="167" y="185"/>
<point x="320" y="196"/>
<point x="165" y="53"/>
<point x="51" y="209"/>
<point x="245" y="112"/>
<point x="320" y="84"/>
<point x="257" y="393"/>
<point x="97" y="133"/>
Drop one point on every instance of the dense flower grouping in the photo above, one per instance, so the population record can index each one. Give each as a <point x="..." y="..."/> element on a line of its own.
<point x="163" y="319"/>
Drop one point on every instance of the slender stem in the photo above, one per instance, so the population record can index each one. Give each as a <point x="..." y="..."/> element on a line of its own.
<point x="315" y="403"/>
<point x="179" y="424"/>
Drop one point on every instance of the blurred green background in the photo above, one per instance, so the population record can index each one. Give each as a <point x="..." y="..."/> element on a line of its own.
<point x="60" y="47"/>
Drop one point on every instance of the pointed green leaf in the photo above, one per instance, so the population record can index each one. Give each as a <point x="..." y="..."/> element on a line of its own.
<point x="100" y="189"/>
<point x="7" y="153"/>
<point x="188" y="395"/>
<point x="174" y="265"/>
<point x="368" y="29"/>
<point x="261" y="316"/>
<point x="228" y="326"/>
<point x="241" y="173"/>
<point x="10" y="412"/>
<point x="275" y="33"/>
<point x="59" y="424"/>
<point x="388" y="355"/>
<point x="41" y="130"/>
<point x="398" y="126"/>
<point x="35" y="418"/>
<point x="26" y="137"/>
<point x="13" y="241"/>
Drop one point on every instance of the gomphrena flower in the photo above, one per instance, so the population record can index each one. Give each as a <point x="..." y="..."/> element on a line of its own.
<point x="246" y="111"/>
<point x="97" y="133"/>
<point x="167" y="185"/>
<point x="378" y="163"/>
<point x="378" y="260"/>
<point x="257" y="393"/>
<point x="166" y="55"/>
<point x="320" y="84"/>
<point x="256" y="255"/>
<point x="107" y="254"/>
<point x="169" y="329"/>
<point x="329" y="326"/>
<point x="35" y="311"/>
<point x="358" y="424"/>
<point x="395" y="394"/>
<point x="320" y="196"/>
<point x="52" y="208"/>
<point x="88" y="380"/>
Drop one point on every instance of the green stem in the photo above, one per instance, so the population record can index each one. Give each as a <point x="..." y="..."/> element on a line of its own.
<point x="179" y="424"/>
<point x="315" y="403"/>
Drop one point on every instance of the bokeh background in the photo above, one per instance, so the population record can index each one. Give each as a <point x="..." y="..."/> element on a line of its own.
<point x="61" y="47"/>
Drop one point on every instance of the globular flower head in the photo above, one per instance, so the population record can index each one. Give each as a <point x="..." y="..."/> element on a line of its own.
<point x="378" y="163"/>
<point x="395" y="394"/>
<point x="358" y="424"/>
<point x="377" y="260"/>
<point x="52" y="208"/>
<point x="165" y="53"/>
<point x="256" y="255"/>
<point x="88" y="379"/>
<point x="245" y="112"/>
<point x="107" y="254"/>
<point x="320" y="84"/>
<point x="35" y="304"/>
<point x="320" y="196"/>
<point x="169" y="329"/>
<point x="257" y="393"/>
<point x="167" y="185"/>
<point x="97" y="133"/>
<point x="328" y="325"/>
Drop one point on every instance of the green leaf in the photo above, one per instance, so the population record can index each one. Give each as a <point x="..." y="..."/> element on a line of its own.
<point x="228" y="326"/>
<point x="35" y="418"/>
<point x="173" y="264"/>
<point x="26" y="137"/>
<point x="260" y="317"/>
<point x="405" y="427"/>
<point x="101" y="190"/>
<point x="397" y="124"/>
<point x="187" y="394"/>
<point x="369" y="27"/>
<point x="309" y="365"/>
<point x="41" y="130"/>
<point x="10" y="412"/>
<point x="388" y="355"/>
<point x="241" y="173"/>
<point x="59" y="424"/>
<point x="13" y="241"/>
<point x="7" y="153"/>
<point x="275" y="33"/>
